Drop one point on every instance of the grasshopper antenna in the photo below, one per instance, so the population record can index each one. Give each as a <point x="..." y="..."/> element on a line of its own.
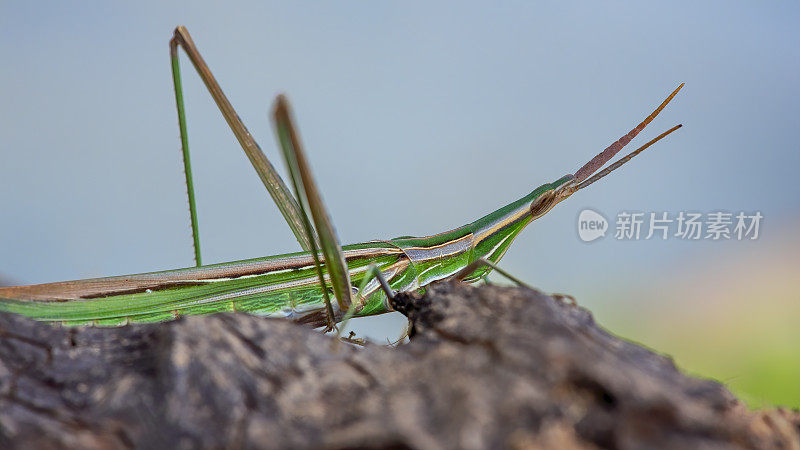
<point x="603" y="157"/>
<point x="616" y="165"/>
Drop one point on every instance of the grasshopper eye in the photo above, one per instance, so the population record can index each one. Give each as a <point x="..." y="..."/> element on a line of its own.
<point x="543" y="203"/>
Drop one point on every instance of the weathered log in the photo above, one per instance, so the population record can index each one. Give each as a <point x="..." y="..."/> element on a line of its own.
<point x="486" y="367"/>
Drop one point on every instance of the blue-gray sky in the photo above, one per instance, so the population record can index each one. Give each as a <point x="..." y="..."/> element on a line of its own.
<point x="417" y="117"/>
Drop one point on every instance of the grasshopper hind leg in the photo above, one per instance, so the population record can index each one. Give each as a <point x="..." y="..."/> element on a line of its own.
<point x="277" y="189"/>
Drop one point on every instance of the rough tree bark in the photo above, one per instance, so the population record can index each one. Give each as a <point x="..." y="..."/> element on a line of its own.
<point x="486" y="367"/>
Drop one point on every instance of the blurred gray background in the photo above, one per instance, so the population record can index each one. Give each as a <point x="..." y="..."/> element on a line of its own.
<point x="418" y="117"/>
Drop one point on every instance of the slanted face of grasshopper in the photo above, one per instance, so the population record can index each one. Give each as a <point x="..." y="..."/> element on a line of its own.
<point x="362" y="277"/>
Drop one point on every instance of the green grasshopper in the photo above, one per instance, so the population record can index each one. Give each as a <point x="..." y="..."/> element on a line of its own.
<point x="362" y="278"/>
